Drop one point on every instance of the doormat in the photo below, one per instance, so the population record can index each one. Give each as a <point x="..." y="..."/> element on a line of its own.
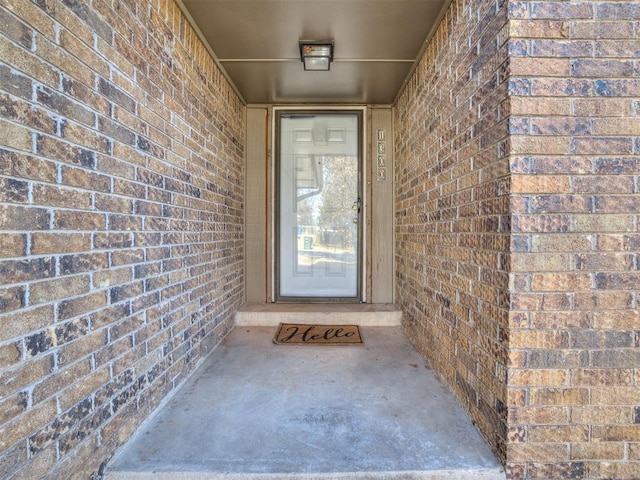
<point x="305" y="334"/>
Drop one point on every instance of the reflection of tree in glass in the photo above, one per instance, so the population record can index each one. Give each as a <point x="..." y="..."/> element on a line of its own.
<point x="305" y="211"/>
<point x="339" y="194"/>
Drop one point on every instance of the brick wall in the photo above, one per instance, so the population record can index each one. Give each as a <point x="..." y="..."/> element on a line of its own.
<point x="574" y="385"/>
<point x="452" y="204"/>
<point x="121" y="211"/>
<point x="568" y="124"/>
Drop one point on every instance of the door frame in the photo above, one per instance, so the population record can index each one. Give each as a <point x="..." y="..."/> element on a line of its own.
<point x="361" y="113"/>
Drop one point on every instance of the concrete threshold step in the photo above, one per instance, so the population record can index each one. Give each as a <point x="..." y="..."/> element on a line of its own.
<point x="476" y="474"/>
<point x="363" y="314"/>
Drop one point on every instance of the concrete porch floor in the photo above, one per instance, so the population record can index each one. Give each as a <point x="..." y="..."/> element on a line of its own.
<point x="256" y="410"/>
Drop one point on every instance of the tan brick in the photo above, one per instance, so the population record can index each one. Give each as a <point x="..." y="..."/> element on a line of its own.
<point x="57" y="382"/>
<point x="81" y="389"/>
<point x="598" y="450"/>
<point x="616" y="320"/>
<point x="10" y="354"/>
<point x="615" y="395"/>
<point x="19" y="324"/>
<point x="39" y="465"/>
<point x="82" y="347"/>
<point x="517" y="358"/>
<point x="541" y="452"/>
<point x="59" y="288"/>
<point x="601" y="415"/>
<point x="15" y="136"/>
<point x="122" y="425"/>
<point x="79" y="49"/>
<point x="558" y="433"/>
<point x="617" y="29"/>
<point x="34" y="16"/>
<point x="593" y="145"/>
<point x="79" y="178"/>
<point x="558" y="396"/>
<point x="13" y="407"/>
<point x="113" y="276"/>
<point x="539" y="106"/>
<point x="84" y="137"/>
<point x="560" y="320"/>
<point x="556" y="470"/>
<point x="604" y="223"/>
<point x="604" y="184"/>
<point x="615" y="433"/>
<point x="560" y="282"/>
<point x="59" y="197"/>
<point x="610" y="242"/>
<point x="539" y="184"/>
<point x="78" y="306"/>
<point x="541" y="223"/>
<point x="523" y="144"/>
<point x="26" y="114"/>
<point x="562" y="243"/>
<point x="79" y="220"/>
<point x="617" y="470"/>
<point x="601" y="377"/>
<point x="13" y="244"/>
<point x="559" y="67"/>
<point x="26" y="424"/>
<point x="634" y="451"/>
<point x="600" y="301"/>
<point x="12" y="459"/>
<point x="84" y="462"/>
<point x="616" y="126"/>
<point x="602" y="107"/>
<point x="26" y="270"/>
<point x="28" y="167"/>
<point x="43" y="243"/>
<point x="537" y="28"/>
<point x="534" y="339"/>
<point x="517" y="397"/>
<point x="60" y="58"/>
<point x="540" y="377"/>
<point x="548" y="262"/>
<point x="27" y="63"/>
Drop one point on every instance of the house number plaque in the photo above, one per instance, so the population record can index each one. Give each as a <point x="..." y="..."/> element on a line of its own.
<point x="381" y="152"/>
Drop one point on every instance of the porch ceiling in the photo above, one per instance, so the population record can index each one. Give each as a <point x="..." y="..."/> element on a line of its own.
<point x="377" y="43"/>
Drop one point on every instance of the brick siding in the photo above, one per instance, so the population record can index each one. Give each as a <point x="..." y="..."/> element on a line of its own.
<point x="575" y="162"/>
<point x="121" y="211"/>
<point x="552" y="162"/>
<point x="452" y="204"/>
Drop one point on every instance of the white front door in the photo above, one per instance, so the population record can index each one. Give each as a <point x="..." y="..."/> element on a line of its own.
<point x="318" y="206"/>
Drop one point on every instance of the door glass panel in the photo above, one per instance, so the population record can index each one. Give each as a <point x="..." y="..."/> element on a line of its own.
<point x="319" y="206"/>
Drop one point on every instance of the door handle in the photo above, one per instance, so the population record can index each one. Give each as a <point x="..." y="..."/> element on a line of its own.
<point x="357" y="205"/>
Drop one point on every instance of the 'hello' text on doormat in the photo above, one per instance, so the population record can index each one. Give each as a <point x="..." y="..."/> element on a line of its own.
<point x="303" y="334"/>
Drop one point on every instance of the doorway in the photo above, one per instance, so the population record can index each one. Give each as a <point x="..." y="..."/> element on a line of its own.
<point x="318" y="206"/>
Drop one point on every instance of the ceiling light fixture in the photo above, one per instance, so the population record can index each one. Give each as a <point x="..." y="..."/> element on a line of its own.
<point x="316" y="55"/>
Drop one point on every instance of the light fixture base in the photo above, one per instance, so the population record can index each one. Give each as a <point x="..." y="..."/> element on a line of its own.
<point x="316" y="55"/>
